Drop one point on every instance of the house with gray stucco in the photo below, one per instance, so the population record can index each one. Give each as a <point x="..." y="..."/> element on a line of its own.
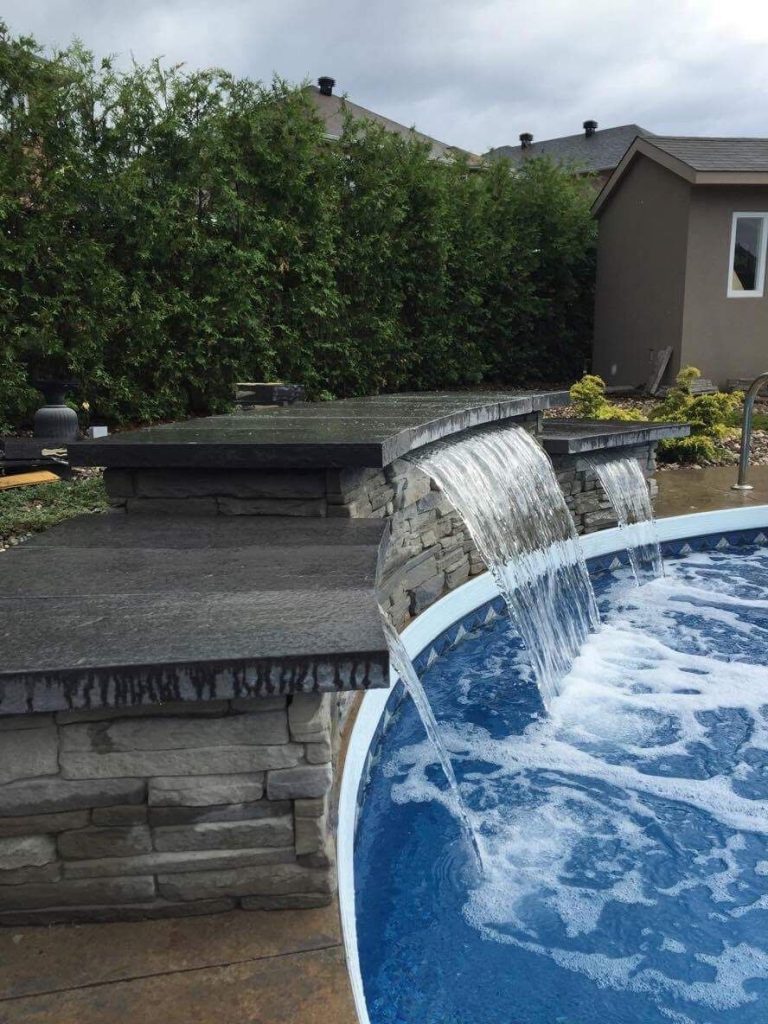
<point x="683" y="227"/>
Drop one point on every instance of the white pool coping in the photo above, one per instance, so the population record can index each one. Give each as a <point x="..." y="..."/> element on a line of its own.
<point x="421" y="632"/>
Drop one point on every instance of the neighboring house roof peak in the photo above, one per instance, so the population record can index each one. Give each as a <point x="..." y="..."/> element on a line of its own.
<point x="593" y="149"/>
<point x="332" y="108"/>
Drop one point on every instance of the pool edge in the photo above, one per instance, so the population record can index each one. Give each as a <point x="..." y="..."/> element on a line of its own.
<point x="421" y="632"/>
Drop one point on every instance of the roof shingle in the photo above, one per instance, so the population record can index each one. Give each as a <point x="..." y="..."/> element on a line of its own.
<point x="715" y="154"/>
<point x="599" y="152"/>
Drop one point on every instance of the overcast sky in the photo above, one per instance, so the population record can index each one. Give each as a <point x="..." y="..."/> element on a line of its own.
<point x="473" y="73"/>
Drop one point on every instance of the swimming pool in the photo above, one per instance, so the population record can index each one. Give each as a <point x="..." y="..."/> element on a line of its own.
<point x="625" y="833"/>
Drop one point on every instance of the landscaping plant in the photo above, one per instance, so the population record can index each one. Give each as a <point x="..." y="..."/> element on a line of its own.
<point x="165" y="233"/>
<point x="711" y="417"/>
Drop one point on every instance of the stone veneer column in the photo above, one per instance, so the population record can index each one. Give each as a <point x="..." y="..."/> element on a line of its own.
<point x="186" y="808"/>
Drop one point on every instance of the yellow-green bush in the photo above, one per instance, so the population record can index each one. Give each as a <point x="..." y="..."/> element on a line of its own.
<point x="710" y="417"/>
<point x="588" y="395"/>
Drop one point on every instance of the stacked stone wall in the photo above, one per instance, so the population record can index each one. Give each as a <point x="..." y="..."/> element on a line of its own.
<point x="429" y="552"/>
<point x="199" y="807"/>
<point x="189" y="808"/>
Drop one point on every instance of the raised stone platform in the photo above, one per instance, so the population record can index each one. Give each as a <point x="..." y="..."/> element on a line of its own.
<point x="355" y="432"/>
<point x="167" y="730"/>
<point x="123" y="611"/>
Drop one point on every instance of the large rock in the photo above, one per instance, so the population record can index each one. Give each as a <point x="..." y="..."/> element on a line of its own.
<point x="26" y="851"/>
<point x="206" y="790"/>
<point x="205" y="760"/>
<point x="304" y="781"/>
<point x="318" y="753"/>
<point x="272" y="506"/>
<point x="89" y="843"/>
<point x="46" y="796"/>
<point x="77" y="892"/>
<point x="309" y="717"/>
<point x="206" y="708"/>
<point x="175" y="733"/>
<point x="45" y="873"/>
<point x="26" y="753"/>
<point x="225" y="835"/>
<point x="167" y="863"/>
<point x="244" y="483"/>
<point x="121" y="815"/>
<point x="277" y="880"/>
<point x="256" y="705"/>
<point x="223" y="812"/>
<point x="426" y="594"/>
<point x="291" y="901"/>
<point x="43" y="824"/>
<point x="310" y="835"/>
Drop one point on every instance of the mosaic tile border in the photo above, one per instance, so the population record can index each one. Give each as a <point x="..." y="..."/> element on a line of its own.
<point x="496" y="608"/>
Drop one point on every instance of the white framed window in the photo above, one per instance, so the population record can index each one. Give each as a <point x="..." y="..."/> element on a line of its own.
<point x="746" y="264"/>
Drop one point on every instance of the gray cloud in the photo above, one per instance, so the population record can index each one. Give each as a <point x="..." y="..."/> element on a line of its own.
<point x="474" y="73"/>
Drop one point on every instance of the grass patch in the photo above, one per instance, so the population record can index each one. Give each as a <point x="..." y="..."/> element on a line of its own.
<point x="31" y="509"/>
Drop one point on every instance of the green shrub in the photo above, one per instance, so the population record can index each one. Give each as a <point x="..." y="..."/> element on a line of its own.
<point x="710" y="417"/>
<point x="166" y="233"/>
<point x="693" y="450"/>
<point x="588" y="395"/>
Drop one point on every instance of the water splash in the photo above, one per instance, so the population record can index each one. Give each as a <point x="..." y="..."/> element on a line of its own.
<point x="627" y="490"/>
<point x="503" y="484"/>
<point x="410" y="679"/>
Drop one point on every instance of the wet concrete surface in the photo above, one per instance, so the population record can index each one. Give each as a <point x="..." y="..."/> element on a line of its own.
<point x="237" y="968"/>
<point x="682" y="491"/>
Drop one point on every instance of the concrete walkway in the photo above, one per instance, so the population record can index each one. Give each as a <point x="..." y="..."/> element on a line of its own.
<point x="237" y="968"/>
<point x="682" y="491"/>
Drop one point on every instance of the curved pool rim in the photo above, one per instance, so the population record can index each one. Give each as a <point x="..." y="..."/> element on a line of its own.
<point x="419" y="634"/>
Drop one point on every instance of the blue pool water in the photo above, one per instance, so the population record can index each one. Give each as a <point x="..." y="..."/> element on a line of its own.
<point x="625" y="833"/>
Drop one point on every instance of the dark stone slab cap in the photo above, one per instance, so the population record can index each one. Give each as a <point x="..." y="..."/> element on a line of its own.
<point x="117" y="610"/>
<point x="369" y="432"/>
<point x="573" y="437"/>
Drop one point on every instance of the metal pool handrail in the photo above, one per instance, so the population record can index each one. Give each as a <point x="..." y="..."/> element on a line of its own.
<point x="746" y="432"/>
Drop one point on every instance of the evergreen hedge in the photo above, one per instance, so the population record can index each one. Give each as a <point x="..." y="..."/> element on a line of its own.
<point x="166" y="233"/>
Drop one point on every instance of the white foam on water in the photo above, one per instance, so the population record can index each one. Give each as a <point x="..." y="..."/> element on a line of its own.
<point x="647" y="749"/>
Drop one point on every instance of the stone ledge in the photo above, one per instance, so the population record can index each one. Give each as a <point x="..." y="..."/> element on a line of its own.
<point x="219" y="608"/>
<point x="572" y="437"/>
<point x="355" y="432"/>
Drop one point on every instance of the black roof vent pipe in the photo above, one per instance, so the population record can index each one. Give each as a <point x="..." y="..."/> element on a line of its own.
<point x="590" y="127"/>
<point x="326" y="84"/>
<point x="526" y="139"/>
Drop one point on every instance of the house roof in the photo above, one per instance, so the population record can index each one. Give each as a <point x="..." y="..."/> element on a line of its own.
<point x="716" y="154"/>
<point x="700" y="161"/>
<point x="600" y="151"/>
<point x="332" y="110"/>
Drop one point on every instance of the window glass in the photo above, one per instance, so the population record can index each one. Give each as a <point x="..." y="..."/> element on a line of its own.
<point x="747" y="254"/>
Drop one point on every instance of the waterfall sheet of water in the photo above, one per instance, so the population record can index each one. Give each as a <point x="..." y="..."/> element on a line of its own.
<point x="627" y="490"/>
<point x="410" y="679"/>
<point x="504" y="486"/>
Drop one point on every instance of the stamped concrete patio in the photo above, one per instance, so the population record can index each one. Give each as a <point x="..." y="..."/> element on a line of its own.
<point x="240" y="967"/>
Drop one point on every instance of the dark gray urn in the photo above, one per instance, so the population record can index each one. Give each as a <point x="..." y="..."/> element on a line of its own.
<point x="55" y="420"/>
